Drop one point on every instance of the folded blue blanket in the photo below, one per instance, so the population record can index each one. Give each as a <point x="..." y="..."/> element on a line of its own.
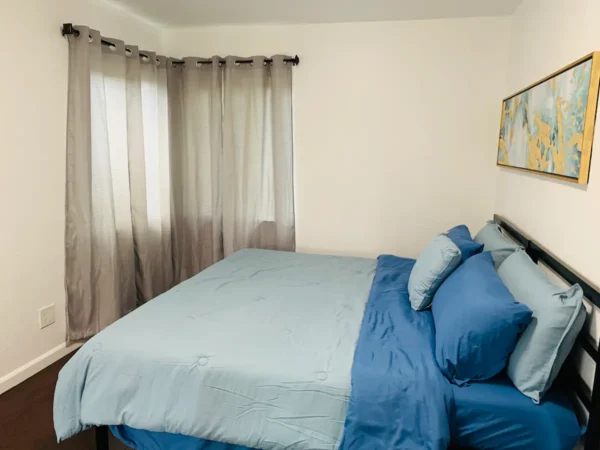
<point x="399" y="400"/>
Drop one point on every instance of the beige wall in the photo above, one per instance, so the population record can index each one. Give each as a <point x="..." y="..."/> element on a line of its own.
<point x="395" y="124"/>
<point x="33" y="110"/>
<point x="547" y="35"/>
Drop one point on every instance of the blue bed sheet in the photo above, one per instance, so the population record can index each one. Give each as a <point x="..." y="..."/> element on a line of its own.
<point x="495" y="415"/>
<point x="155" y="440"/>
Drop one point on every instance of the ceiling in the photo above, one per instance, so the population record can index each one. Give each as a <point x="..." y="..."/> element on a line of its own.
<point x="217" y="12"/>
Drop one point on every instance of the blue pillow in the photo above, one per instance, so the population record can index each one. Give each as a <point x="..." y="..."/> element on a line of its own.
<point x="435" y="263"/>
<point x="477" y="322"/>
<point x="461" y="236"/>
<point x="558" y="316"/>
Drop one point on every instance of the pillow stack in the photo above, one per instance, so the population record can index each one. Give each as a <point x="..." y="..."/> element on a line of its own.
<point x="494" y="308"/>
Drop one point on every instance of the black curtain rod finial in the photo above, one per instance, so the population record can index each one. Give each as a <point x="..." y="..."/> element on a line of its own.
<point x="68" y="29"/>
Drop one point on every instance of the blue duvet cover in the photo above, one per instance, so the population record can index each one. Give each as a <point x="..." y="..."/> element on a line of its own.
<point x="400" y="399"/>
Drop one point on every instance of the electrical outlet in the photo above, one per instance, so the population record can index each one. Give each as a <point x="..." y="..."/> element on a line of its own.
<point x="46" y="316"/>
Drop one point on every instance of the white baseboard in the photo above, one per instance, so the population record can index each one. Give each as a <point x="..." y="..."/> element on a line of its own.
<point x="32" y="367"/>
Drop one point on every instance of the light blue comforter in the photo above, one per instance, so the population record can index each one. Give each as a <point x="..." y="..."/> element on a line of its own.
<point x="257" y="350"/>
<point x="267" y="350"/>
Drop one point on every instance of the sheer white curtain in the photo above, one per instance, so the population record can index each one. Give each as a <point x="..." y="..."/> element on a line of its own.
<point x="117" y="236"/>
<point x="170" y="167"/>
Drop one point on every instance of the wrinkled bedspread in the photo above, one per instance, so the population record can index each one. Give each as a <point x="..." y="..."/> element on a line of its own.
<point x="256" y="350"/>
<point x="259" y="351"/>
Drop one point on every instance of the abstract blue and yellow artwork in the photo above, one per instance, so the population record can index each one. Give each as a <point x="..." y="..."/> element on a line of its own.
<point x="549" y="126"/>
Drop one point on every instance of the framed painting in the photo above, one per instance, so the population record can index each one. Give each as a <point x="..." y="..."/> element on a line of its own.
<point x="548" y="127"/>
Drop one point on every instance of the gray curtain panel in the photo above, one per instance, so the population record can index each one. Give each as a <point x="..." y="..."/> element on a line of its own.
<point x="170" y="168"/>
<point x="258" y="196"/>
<point x="195" y="100"/>
<point x="117" y="234"/>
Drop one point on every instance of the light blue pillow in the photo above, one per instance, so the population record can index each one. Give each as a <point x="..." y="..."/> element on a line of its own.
<point x="494" y="241"/>
<point x="435" y="263"/>
<point x="461" y="236"/>
<point x="477" y="322"/>
<point x="558" y="316"/>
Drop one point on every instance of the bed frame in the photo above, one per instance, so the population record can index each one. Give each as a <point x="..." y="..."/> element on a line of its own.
<point x="569" y="378"/>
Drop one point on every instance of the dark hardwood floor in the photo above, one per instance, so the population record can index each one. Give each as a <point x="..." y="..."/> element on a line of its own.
<point x="26" y="416"/>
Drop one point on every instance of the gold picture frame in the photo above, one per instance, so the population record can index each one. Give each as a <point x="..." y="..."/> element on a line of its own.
<point x="546" y="132"/>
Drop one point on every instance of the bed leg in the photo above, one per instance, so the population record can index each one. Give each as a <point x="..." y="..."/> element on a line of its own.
<point x="102" y="438"/>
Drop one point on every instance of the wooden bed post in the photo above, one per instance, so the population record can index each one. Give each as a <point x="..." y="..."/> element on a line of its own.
<point x="102" y="438"/>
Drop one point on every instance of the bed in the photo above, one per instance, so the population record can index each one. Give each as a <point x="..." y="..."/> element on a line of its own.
<point x="281" y="350"/>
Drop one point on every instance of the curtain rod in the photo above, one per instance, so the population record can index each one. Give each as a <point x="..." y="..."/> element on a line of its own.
<point x="68" y="29"/>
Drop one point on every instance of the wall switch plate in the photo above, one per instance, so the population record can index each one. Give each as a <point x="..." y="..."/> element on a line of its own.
<point x="47" y="316"/>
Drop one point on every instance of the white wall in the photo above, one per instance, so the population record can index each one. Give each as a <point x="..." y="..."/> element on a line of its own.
<point x="547" y="35"/>
<point x="395" y="124"/>
<point x="33" y="108"/>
